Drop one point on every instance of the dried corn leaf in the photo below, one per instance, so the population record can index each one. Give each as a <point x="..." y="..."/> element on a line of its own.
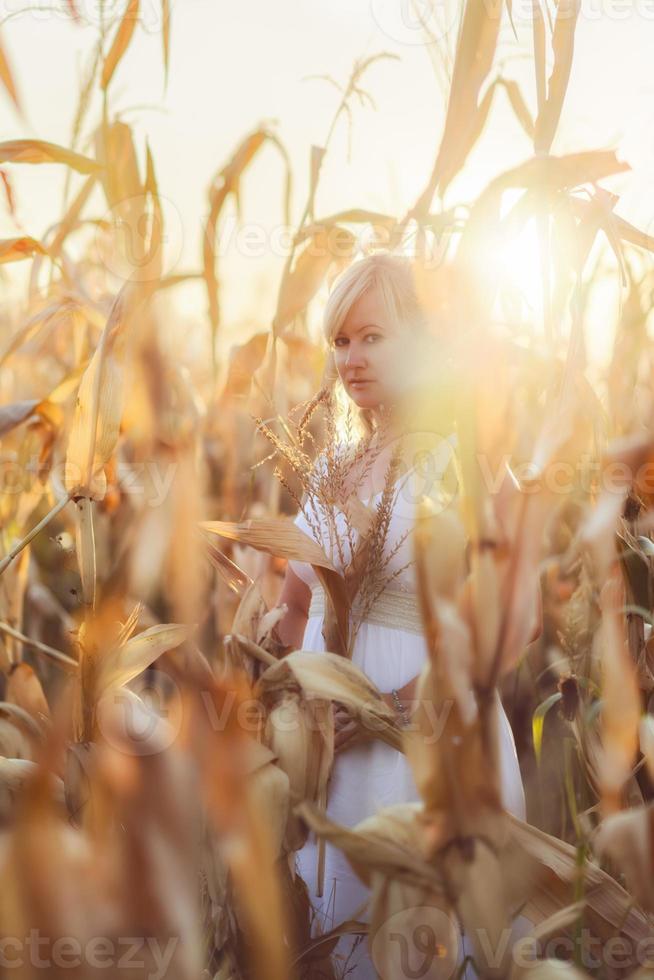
<point x="518" y="105"/>
<point x="40" y="151"/>
<point x="609" y="908"/>
<point x="276" y="536"/>
<point x="301" y="283"/>
<point x="120" y="42"/>
<point x="244" y="360"/>
<point x="165" y="37"/>
<point x="7" y="77"/>
<point x="233" y="576"/>
<point x="72" y="216"/>
<point x="538" y="33"/>
<point x="99" y="405"/>
<point x="32" y="326"/>
<point x="122" y="664"/>
<point x="567" y="14"/>
<point x="120" y="178"/>
<point x="15" y="249"/>
<point x="282" y="538"/>
<point x="154" y="258"/>
<point x="224" y="183"/>
<point x="474" y="58"/>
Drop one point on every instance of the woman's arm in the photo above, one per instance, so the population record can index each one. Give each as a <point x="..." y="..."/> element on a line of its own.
<point x="297" y="596"/>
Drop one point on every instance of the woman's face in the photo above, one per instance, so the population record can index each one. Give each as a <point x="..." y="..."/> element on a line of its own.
<point x="367" y="352"/>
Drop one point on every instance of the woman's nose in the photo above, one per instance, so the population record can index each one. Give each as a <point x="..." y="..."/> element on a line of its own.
<point x="354" y="355"/>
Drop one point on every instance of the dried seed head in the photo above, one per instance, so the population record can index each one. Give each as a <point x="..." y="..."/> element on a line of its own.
<point x="569" y="689"/>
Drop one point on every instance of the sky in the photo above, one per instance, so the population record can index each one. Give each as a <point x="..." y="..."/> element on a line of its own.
<point x="236" y="66"/>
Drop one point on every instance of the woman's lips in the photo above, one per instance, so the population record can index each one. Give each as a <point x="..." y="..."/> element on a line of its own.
<point x="355" y="384"/>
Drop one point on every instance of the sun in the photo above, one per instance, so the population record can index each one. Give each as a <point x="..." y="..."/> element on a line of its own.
<point x="520" y="282"/>
<point x="516" y="266"/>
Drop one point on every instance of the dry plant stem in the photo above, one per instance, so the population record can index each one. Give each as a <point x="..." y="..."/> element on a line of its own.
<point x="16" y="550"/>
<point x="486" y="695"/>
<point x="95" y="411"/>
<point x="86" y="551"/>
<point x="62" y="658"/>
<point x="320" y="877"/>
<point x="253" y="649"/>
<point x="497" y="657"/>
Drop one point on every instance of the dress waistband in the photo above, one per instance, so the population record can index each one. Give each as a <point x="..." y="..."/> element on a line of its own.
<point x="393" y="609"/>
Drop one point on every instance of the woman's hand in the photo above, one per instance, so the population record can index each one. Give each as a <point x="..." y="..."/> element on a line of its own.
<point x="347" y="729"/>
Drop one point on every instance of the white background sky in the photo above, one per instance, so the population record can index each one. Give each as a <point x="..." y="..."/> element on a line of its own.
<point x="234" y="65"/>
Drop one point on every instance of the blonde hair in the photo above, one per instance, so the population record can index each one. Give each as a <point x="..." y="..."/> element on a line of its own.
<point x="392" y="275"/>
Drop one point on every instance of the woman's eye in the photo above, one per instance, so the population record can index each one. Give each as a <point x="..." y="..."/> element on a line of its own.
<point x="370" y="337"/>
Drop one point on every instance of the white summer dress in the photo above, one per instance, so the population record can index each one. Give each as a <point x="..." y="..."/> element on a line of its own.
<point x="390" y="649"/>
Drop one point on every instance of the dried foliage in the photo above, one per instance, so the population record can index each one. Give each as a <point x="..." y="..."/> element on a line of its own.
<point x="150" y="783"/>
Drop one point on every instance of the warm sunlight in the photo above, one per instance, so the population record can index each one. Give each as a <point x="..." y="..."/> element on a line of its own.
<point x="270" y="709"/>
<point x="520" y="285"/>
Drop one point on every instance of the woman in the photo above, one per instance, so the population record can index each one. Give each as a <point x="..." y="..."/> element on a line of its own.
<point x="372" y="318"/>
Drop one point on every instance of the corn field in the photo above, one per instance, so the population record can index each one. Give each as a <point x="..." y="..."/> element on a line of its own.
<point x="152" y="802"/>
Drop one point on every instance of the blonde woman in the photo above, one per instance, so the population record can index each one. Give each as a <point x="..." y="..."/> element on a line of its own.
<point x="372" y="318"/>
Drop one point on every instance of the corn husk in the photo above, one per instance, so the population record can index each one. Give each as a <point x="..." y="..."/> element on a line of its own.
<point x="282" y="538"/>
<point x="626" y="839"/>
<point x="300" y="732"/>
<point x="129" y="660"/>
<point x="337" y="679"/>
